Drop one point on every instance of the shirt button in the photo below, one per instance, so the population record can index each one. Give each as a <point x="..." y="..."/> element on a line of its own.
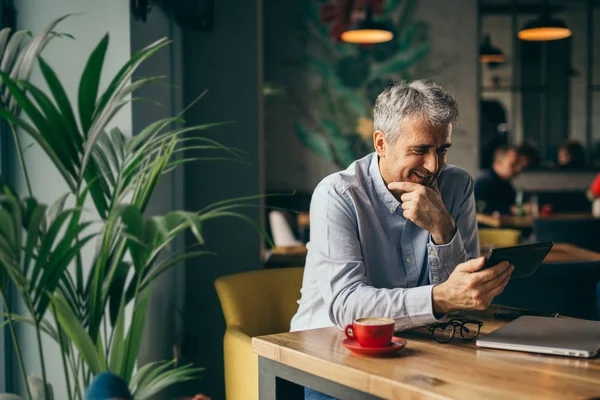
<point x="408" y="260"/>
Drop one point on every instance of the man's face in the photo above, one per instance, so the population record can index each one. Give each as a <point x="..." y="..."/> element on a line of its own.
<point x="510" y="165"/>
<point x="418" y="155"/>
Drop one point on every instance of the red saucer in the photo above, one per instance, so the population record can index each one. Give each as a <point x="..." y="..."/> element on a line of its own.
<point x="395" y="345"/>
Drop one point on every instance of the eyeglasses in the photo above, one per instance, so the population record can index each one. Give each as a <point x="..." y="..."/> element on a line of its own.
<point x="444" y="332"/>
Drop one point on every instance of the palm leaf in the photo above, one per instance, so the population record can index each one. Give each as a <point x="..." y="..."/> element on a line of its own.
<point x="55" y="209"/>
<point x="134" y="336"/>
<point x="24" y="60"/>
<point x="118" y="343"/>
<point x="140" y="375"/>
<point x="313" y="141"/>
<point x="78" y="335"/>
<point x="88" y="85"/>
<point x="112" y="99"/>
<point x="164" y="266"/>
<point x="32" y="131"/>
<point x="62" y="101"/>
<point x="45" y="325"/>
<point x="166" y="379"/>
<point x="34" y="229"/>
<point x="341" y="147"/>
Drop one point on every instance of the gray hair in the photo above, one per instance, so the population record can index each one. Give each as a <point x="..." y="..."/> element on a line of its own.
<point x="422" y="99"/>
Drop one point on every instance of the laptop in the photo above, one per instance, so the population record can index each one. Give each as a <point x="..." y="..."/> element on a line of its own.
<point x="558" y="336"/>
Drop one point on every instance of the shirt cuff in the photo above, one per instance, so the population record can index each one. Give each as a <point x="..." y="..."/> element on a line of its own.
<point x="419" y="303"/>
<point x="453" y="250"/>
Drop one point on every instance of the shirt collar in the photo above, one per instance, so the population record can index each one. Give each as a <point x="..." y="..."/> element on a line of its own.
<point x="380" y="188"/>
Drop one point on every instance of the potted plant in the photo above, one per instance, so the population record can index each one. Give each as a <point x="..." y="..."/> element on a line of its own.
<point x="83" y="307"/>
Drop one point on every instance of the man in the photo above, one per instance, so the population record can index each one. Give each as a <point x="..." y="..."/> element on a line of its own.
<point x="493" y="189"/>
<point x="395" y="234"/>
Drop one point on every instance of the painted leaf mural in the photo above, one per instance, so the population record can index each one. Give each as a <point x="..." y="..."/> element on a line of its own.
<point x="351" y="76"/>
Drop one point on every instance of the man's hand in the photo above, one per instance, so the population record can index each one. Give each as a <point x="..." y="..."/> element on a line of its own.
<point x="468" y="288"/>
<point x="423" y="206"/>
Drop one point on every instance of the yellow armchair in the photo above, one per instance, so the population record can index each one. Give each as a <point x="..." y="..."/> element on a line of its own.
<point x="489" y="237"/>
<point x="254" y="303"/>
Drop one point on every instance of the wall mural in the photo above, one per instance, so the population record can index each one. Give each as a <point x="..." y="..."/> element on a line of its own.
<point x="348" y="77"/>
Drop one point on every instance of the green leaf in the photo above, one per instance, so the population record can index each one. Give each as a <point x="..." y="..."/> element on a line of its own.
<point x="62" y="101"/>
<point x="78" y="335"/>
<point x="164" y="266"/>
<point x="13" y="206"/>
<point x="3" y="280"/>
<point x="104" y="166"/>
<point x="168" y="378"/>
<point x="150" y="131"/>
<point x="115" y="292"/>
<point x="46" y="246"/>
<point x="36" y="225"/>
<point x="141" y="373"/>
<point x="150" y="376"/>
<point x="30" y="130"/>
<point x="312" y="13"/>
<point x="55" y="123"/>
<point x="406" y="16"/>
<point x="55" y="209"/>
<point x="107" y="147"/>
<point x="57" y="265"/>
<point x="401" y="61"/>
<point x="341" y="146"/>
<point x="390" y="6"/>
<point x="339" y="89"/>
<point x="10" y="396"/>
<point x="134" y="226"/>
<point x="24" y="64"/>
<point x="88" y="86"/>
<point x="134" y="336"/>
<point x="11" y="48"/>
<point x="118" y="343"/>
<point x="112" y="99"/>
<point x="100" y="350"/>
<point x="313" y="141"/>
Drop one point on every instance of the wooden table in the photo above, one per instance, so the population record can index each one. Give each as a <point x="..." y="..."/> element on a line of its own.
<point x="561" y="252"/>
<point x="523" y="222"/>
<point x="564" y="252"/>
<point x="424" y="369"/>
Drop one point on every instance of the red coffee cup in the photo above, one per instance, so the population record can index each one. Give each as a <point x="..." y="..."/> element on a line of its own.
<point x="371" y="332"/>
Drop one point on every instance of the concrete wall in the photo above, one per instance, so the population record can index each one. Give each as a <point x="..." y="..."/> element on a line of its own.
<point x="453" y="30"/>
<point x="453" y="62"/>
<point x="228" y="63"/>
<point x="68" y="58"/>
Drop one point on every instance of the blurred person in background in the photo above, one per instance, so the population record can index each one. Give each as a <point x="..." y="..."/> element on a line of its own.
<point x="571" y="155"/>
<point x="494" y="190"/>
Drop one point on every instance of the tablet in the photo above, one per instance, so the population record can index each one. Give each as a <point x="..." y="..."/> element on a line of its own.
<point x="525" y="258"/>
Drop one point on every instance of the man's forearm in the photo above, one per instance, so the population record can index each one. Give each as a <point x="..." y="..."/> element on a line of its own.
<point x="408" y="307"/>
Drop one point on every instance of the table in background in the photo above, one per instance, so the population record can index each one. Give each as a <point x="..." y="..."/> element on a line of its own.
<point x="561" y="252"/>
<point x="424" y="369"/>
<point x="522" y="222"/>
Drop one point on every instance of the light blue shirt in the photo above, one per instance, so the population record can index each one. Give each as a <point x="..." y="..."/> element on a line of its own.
<point x="365" y="259"/>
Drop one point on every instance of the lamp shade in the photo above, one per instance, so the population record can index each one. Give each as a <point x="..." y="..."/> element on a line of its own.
<point x="544" y="29"/>
<point x="367" y="31"/>
<point x="489" y="53"/>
